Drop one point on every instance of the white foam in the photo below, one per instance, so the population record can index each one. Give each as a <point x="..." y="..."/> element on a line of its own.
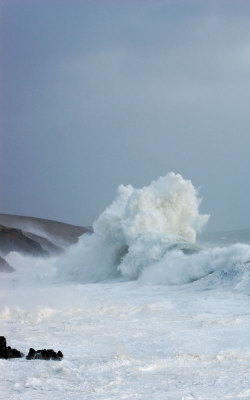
<point x="122" y="338"/>
<point x="147" y="234"/>
<point x="179" y="268"/>
<point x="136" y="230"/>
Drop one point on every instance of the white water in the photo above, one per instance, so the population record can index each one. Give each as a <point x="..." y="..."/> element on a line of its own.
<point x="165" y="318"/>
<point x="136" y="230"/>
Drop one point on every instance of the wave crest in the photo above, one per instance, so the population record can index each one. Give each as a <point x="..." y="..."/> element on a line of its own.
<point x="137" y="229"/>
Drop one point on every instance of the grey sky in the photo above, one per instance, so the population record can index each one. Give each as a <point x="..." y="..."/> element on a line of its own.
<point x="98" y="93"/>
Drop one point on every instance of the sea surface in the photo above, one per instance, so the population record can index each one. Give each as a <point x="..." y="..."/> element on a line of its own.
<point x="144" y="308"/>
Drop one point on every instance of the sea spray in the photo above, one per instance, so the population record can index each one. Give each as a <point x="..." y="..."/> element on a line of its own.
<point x="221" y="266"/>
<point x="147" y="234"/>
<point x="136" y="230"/>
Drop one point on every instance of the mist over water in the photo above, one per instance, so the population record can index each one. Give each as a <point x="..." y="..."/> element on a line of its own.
<point x="137" y="229"/>
<point x="151" y="305"/>
<point x="138" y="300"/>
<point x="150" y="234"/>
<point x="146" y="234"/>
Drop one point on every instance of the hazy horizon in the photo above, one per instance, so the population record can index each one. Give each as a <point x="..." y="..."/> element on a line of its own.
<point x="97" y="94"/>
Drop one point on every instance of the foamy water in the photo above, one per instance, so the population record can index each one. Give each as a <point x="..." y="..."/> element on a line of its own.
<point x="139" y="309"/>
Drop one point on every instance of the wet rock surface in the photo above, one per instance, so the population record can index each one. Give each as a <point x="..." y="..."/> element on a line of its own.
<point x="7" y="352"/>
<point x="12" y="239"/>
<point x="45" y="354"/>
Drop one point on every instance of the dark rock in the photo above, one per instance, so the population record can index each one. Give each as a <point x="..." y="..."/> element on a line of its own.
<point x="45" y="354"/>
<point x="37" y="236"/>
<point x="4" y="266"/>
<point x="2" y="342"/>
<point x="45" y="243"/>
<point x="12" y="239"/>
<point x="31" y="354"/>
<point x="8" y="352"/>
<point x="64" y="233"/>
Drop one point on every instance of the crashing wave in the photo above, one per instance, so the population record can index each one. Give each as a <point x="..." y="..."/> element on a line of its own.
<point x="147" y="234"/>
<point x="138" y="229"/>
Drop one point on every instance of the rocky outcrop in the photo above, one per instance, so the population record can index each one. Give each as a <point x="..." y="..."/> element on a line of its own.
<point x="45" y="354"/>
<point x="35" y="236"/>
<point x="64" y="232"/>
<point x="4" y="266"/>
<point x="7" y="352"/>
<point x="12" y="239"/>
<point x="45" y="243"/>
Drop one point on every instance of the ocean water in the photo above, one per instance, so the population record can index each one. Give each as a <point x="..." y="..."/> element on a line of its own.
<point x="147" y="307"/>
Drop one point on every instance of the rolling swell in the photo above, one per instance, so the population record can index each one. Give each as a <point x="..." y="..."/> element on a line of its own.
<point x="213" y="267"/>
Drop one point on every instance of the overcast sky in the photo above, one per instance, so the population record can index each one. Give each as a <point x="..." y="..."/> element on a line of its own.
<point x="98" y="93"/>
